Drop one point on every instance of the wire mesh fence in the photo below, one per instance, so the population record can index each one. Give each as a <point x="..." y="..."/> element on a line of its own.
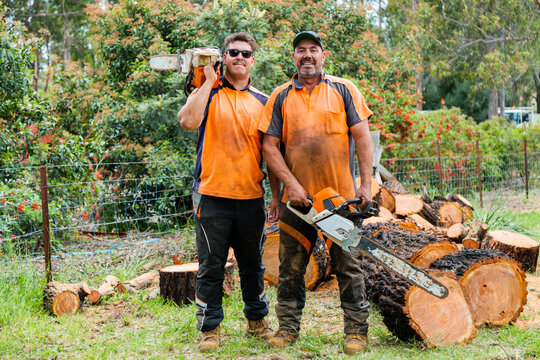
<point x="99" y="208"/>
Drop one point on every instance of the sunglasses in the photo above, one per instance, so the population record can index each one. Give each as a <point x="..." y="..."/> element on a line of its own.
<point x="245" y="53"/>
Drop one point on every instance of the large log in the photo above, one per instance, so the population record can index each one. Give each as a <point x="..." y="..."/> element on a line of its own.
<point x="415" y="246"/>
<point x="178" y="282"/>
<point x="60" y="299"/>
<point x="104" y="289"/>
<point x="520" y="247"/>
<point x="494" y="284"/>
<point x="317" y="268"/>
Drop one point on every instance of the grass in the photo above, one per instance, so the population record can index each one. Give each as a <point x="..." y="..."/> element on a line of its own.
<point x="126" y="326"/>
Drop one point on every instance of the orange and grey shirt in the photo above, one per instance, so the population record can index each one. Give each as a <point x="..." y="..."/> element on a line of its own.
<point x="229" y="147"/>
<point x="314" y="131"/>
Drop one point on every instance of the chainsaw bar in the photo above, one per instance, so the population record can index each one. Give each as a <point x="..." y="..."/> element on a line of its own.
<point x="345" y="234"/>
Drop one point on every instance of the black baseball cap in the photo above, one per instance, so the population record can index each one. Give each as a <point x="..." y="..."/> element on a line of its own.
<point x="307" y="35"/>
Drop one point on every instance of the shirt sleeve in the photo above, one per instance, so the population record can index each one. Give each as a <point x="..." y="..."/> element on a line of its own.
<point x="271" y="120"/>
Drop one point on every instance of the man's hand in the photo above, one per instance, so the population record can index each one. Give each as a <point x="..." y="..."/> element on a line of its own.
<point x="297" y="195"/>
<point x="363" y="193"/>
<point x="210" y="73"/>
<point x="273" y="214"/>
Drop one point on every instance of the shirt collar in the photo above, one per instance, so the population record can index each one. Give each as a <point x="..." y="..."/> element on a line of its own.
<point x="296" y="83"/>
<point x="227" y="83"/>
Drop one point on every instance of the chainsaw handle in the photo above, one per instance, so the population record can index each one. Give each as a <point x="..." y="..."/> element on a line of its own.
<point x="306" y="213"/>
<point x="372" y="209"/>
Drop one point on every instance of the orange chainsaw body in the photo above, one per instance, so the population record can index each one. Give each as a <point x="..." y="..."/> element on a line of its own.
<point x="199" y="78"/>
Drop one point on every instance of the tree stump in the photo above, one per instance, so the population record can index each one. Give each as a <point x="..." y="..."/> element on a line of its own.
<point x="493" y="283"/>
<point x="60" y="299"/>
<point x="520" y="247"/>
<point x="178" y="282"/>
<point x="316" y="270"/>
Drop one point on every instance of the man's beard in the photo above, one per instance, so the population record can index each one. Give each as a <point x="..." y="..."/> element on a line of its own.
<point x="309" y="73"/>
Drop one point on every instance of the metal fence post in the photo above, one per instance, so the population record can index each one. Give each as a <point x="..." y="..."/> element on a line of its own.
<point x="45" y="216"/>
<point x="479" y="172"/>
<point x="526" y="168"/>
<point x="440" y="167"/>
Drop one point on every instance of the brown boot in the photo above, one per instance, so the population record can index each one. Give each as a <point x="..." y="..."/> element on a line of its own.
<point x="355" y="343"/>
<point x="209" y="340"/>
<point x="282" y="338"/>
<point x="259" y="328"/>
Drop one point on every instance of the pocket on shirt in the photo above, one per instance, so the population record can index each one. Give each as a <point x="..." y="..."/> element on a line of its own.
<point x="336" y="122"/>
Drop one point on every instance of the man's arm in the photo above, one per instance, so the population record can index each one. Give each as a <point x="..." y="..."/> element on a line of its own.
<point x="192" y="113"/>
<point x="275" y="162"/>
<point x="364" y="153"/>
<point x="275" y="185"/>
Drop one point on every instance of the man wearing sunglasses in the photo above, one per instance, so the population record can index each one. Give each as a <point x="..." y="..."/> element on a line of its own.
<point x="311" y="124"/>
<point x="227" y="189"/>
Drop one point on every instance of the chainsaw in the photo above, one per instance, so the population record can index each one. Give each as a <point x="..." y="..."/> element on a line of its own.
<point x="192" y="63"/>
<point x="339" y="221"/>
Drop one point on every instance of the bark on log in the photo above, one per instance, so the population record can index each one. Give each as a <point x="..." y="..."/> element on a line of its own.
<point x="316" y="270"/>
<point x="408" y="204"/>
<point x="60" y="299"/>
<point x="178" y="282"/>
<point x="462" y="200"/>
<point x="104" y="289"/>
<point x="391" y="182"/>
<point x="140" y="282"/>
<point x="415" y="246"/>
<point x="520" y="247"/>
<point x="494" y="284"/>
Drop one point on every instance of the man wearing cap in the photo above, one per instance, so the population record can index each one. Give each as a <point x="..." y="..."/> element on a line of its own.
<point x="227" y="189"/>
<point x="311" y="125"/>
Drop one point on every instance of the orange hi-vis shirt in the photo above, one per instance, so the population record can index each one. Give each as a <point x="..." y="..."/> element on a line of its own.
<point x="317" y="145"/>
<point x="229" y="147"/>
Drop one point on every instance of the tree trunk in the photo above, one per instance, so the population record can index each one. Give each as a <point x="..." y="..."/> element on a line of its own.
<point x="493" y="283"/>
<point x="501" y="100"/>
<point x="519" y="247"/>
<point x="316" y="270"/>
<point x="492" y="105"/>
<point x="178" y="282"/>
<point x="67" y="40"/>
<point x="536" y="76"/>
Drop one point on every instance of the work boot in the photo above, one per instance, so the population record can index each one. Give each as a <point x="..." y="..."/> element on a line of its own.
<point x="355" y="343"/>
<point x="282" y="338"/>
<point x="209" y="340"/>
<point x="259" y="328"/>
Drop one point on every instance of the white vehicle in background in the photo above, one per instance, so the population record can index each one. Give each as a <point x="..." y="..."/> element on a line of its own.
<point x="521" y="116"/>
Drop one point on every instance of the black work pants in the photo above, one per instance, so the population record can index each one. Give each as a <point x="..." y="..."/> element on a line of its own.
<point x="220" y="224"/>
<point x="297" y="239"/>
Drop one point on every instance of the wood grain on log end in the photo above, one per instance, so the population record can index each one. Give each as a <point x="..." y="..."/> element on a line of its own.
<point x="431" y="252"/>
<point x="450" y="214"/>
<point x="441" y="322"/>
<point x="408" y="204"/>
<point x="66" y="302"/>
<point x="496" y="289"/>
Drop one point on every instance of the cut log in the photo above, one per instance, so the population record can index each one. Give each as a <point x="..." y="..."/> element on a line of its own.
<point x="494" y="284"/>
<point x="317" y="267"/>
<point x="391" y="182"/>
<point x="408" y="204"/>
<point x="140" y="282"/>
<point x="374" y="220"/>
<point x="105" y="289"/>
<point x="450" y="214"/>
<point x="457" y="232"/>
<point x="385" y="213"/>
<point x="418" y="219"/>
<point x="412" y="245"/>
<point x="518" y="246"/>
<point x="471" y="244"/>
<point x="386" y="199"/>
<point x="178" y="282"/>
<point x="462" y="200"/>
<point x="60" y="299"/>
